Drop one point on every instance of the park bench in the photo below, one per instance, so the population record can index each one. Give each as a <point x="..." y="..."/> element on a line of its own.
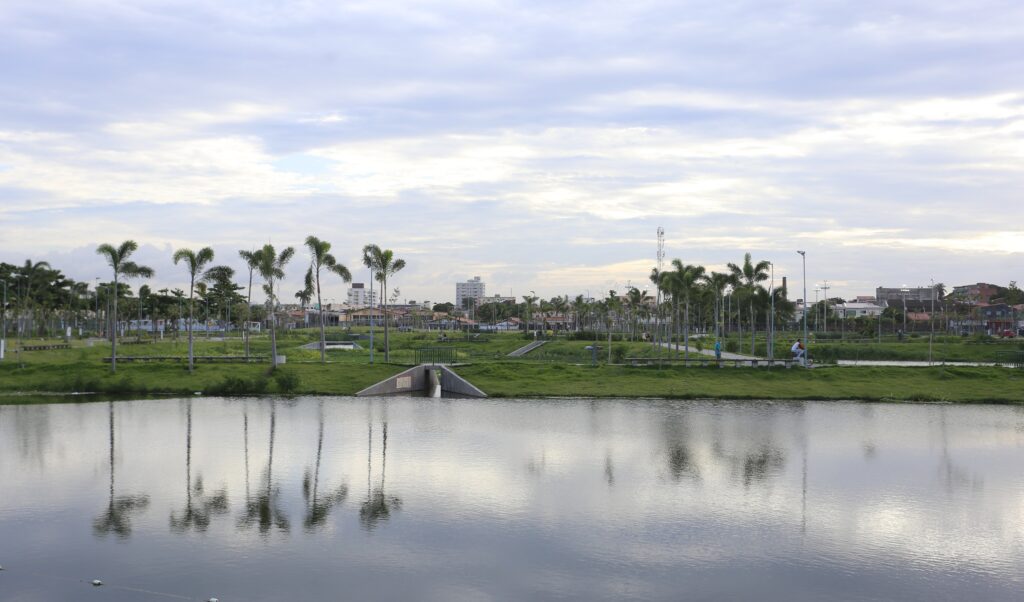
<point x="208" y="359"/>
<point x="45" y="347"/>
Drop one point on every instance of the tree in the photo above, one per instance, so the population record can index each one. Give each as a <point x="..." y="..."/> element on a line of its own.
<point x="684" y="279"/>
<point x="384" y="264"/>
<point x="749" y="277"/>
<point x="320" y="250"/>
<point x="194" y="263"/>
<point x="252" y="263"/>
<point x="717" y="283"/>
<point x="270" y="266"/>
<point x="117" y="259"/>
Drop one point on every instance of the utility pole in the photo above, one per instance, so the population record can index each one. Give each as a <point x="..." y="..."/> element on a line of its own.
<point x="771" y="321"/>
<point x="3" y="341"/>
<point x="657" y="302"/>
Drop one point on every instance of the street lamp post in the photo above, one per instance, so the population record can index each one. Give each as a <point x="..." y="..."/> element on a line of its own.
<point x="931" y="323"/>
<point x="771" y="321"/>
<point x="807" y="346"/>
<point x="3" y="341"/>
<point x="97" y="315"/>
<point x="904" y="290"/>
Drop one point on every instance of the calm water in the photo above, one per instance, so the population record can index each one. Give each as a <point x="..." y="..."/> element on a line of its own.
<point x="421" y="499"/>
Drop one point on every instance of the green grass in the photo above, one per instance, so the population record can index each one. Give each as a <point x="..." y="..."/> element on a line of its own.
<point x="559" y="368"/>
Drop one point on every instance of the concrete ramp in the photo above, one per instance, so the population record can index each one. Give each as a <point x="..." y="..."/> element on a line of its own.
<point x="429" y="379"/>
<point x="526" y="349"/>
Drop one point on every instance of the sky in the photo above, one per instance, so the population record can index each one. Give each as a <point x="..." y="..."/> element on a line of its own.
<point x="539" y="145"/>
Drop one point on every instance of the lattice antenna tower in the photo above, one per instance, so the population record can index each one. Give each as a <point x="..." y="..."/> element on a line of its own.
<point x="661" y="248"/>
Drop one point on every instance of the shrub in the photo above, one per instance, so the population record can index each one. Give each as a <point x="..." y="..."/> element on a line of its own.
<point x="732" y="346"/>
<point x="287" y="381"/>
<point x="235" y="385"/>
<point x="618" y="354"/>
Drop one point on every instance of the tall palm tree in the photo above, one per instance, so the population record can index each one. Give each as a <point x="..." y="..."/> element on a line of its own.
<point x="194" y="263"/>
<point x="305" y="295"/>
<point x="749" y="277"/>
<point x="686" y="278"/>
<point x="252" y="263"/>
<point x="117" y="258"/>
<point x="322" y="259"/>
<point x="270" y="266"/>
<point x="717" y="282"/>
<point x="384" y="264"/>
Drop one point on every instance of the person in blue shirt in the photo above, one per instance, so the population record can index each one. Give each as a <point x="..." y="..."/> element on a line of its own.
<point x="718" y="350"/>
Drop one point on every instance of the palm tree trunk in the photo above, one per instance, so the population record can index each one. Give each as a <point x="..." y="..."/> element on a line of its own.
<point x="387" y="347"/>
<point x="113" y="343"/>
<point x="686" y="331"/>
<point x="248" y="314"/>
<point x="753" y="328"/>
<point x="273" y="328"/>
<point x="191" y="304"/>
<point x="323" y="334"/>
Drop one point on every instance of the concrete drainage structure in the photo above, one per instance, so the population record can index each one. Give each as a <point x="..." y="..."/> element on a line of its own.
<point x="434" y="380"/>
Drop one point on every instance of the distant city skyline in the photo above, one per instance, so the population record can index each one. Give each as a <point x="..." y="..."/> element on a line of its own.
<point x="536" y="145"/>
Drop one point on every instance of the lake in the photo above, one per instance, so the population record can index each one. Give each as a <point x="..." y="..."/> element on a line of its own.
<point x="451" y="499"/>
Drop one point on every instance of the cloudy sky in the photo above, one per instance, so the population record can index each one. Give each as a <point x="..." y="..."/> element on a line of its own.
<point x="538" y="145"/>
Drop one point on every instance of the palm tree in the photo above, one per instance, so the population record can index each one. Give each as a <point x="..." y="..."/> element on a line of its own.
<point x="322" y="258"/>
<point x="117" y="258"/>
<point x="717" y="282"/>
<point x="384" y="264"/>
<point x="252" y="263"/>
<point x="686" y="277"/>
<point x="748" y="278"/>
<point x="194" y="262"/>
<point x="270" y="266"/>
<point x="305" y="295"/>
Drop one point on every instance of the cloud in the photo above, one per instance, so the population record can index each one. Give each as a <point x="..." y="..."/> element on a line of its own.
<point x="519" y="142"/>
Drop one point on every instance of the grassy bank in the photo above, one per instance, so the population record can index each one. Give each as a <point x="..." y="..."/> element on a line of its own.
<point x="511" y="379"/>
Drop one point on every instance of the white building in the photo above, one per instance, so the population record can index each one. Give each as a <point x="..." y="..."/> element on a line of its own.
<point x="471" y="289"/>
<point x="359" y="296"/>
<point x="856" y="310"/>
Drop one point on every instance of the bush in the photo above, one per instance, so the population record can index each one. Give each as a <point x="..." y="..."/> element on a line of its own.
<point x="235" y="385"/>
<point x="287" y="381"/>
<point x="732" y="346"/>
<point x="618" y="354"/>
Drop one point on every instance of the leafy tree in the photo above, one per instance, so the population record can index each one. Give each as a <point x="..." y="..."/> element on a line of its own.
<point x="117" y="259"/>
<point x="320" y="250"/>
<point x="194" y="263"/>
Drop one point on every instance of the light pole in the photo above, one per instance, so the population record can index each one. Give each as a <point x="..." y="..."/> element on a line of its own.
<point x="771" y="322"/>
<point x="97" y="307"/>
<point x="931" y="322"/>
<point x="817" y="315"/>
<point x="3" y="341"/>
<point x="904" y="290"/>
<point x="807" y="346"/>
<point x="824" y="294"/>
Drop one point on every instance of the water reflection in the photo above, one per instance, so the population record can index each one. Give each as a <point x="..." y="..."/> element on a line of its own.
<point x="594" y="500"/>
<point x="263" y="510"/>
<point x="116" y="518"/>
<point x="199" y="507"/>
<point x="319" y="504"/>
<point x="378" y="505"/>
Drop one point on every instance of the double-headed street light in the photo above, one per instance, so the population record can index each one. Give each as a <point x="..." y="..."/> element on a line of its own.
<point x="3" y="340"/>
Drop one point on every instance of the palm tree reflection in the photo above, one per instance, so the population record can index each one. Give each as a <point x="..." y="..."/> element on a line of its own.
<point x="378" y="505"/>
<point x="318" y="505"/>
<point x="198" y="507"/>
<point x="116" y="518"/>
<point x="262" y="510"/>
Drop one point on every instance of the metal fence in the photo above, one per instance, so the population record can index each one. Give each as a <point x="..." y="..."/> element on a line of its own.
<point x="437" y="355"/>
<point x="1013" y="359"/>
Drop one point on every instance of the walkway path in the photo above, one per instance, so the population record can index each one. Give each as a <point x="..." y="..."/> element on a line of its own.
<point x="526" y="349"/>
<point x="909" y="364"/>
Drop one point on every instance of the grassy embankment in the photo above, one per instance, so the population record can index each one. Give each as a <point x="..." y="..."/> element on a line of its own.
<point x="556" y="369"/>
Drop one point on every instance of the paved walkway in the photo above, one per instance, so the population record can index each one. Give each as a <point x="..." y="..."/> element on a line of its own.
<point x="526" y="349"/>
<point x="910" y="364"/>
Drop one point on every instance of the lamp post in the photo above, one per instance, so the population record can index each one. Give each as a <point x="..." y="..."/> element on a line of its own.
<point x="904" y="290"/>
<point x="3" y="341"/>
<point x="931" y="323"/>
<point x="771" y="321"/>
<point x="807" y="346"/>
<point x="97" y="315"/>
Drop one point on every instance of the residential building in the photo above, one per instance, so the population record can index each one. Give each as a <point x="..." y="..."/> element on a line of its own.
<point x="976" y="294"/>
<point x="495" y="299"/>
<point x="359" y="296"/>
<point x="473" y="289"/>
